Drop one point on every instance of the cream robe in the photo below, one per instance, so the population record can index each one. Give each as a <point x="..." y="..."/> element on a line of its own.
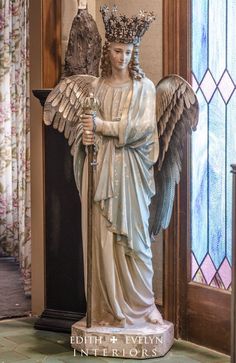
<point x="123" y="185"/>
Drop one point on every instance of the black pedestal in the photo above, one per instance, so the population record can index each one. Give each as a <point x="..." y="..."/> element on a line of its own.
<point x="65" y="299"/>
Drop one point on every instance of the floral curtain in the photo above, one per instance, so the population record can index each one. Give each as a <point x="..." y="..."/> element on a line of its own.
<point x="15" y="239"/>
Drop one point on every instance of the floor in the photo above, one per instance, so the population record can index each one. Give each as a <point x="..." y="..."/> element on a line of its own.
<point x="20" y="342"/>
<point x="13" y="302"/>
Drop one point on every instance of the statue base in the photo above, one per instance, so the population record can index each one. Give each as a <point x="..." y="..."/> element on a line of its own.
<point x="148" y="341"/>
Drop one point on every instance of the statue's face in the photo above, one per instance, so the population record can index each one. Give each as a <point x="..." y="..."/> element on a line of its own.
<point x="120" y="55"/>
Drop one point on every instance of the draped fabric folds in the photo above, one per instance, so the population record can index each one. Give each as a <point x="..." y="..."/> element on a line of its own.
<point x="127" y="146"/>
<point x="15" y="239"/>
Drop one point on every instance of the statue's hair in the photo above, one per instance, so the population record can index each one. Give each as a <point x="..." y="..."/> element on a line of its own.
<point x="134" y="67"/>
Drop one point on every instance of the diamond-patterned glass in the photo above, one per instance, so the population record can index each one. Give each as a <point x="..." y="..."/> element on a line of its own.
<point x="225" y="273"/>
<point x="207" y="273"/>
<point x="194" y="266"/>
<point x="208" y="86"/>
<point x="217" y="282"/>
<point x="226" y="87"/>
<point x="195" y="85"/>
<point x="214" y="144"/>
<point x="208" y="269"/>
<point x="199" y="277"/>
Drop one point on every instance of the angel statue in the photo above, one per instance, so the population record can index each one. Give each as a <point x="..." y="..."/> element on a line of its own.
<point x="138" y="131"/>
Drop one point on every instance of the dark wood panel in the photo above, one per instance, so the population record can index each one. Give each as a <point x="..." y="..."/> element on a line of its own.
<point x="51" y="42"/>
<point x="64" y="254"/>
<point x="64" y="284"/>
<point x="56" y="320"/>
<point x="207" y="319"/>
<point x="64" y="278"/>
<point x="176" y="37"/>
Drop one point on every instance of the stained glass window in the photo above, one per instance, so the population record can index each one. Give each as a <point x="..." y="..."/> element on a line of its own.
<point x="213" y="146"/>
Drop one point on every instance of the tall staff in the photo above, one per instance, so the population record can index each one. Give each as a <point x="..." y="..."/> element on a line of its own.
<point x="90" y="107"/>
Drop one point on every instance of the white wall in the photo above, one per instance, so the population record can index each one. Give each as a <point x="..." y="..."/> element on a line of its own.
<point x="69" y="11"/>
<point x="151" y="46"/>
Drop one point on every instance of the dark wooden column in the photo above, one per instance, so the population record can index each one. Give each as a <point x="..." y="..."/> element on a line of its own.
<point x="233" y="326"/>
<point x="176" y="59"/>
<point x="64" y="278"/>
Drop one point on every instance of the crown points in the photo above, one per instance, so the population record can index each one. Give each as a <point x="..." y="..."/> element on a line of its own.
<point x="120" y="28"/>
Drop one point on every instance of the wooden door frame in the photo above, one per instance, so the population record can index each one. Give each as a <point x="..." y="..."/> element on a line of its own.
<point x="176" y="59"/>
<point x="45" y="70"/>
<point x="51" y="19"/>
<point x="180" y="295"/>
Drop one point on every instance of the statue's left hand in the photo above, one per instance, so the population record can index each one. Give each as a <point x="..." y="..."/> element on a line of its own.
<point x="87" y="122"/>
<point x="90" y="123"/>
<point x="88" y="137"/>
<point x="88" y="129"/>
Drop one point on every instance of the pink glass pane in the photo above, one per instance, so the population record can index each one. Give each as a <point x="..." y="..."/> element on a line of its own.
<point x="208" y="269"/>
<point x="225" y="273"/>
<point x="194" y="266"/>
<point x="217" y="282"/>
<point x="194" y="84"/>
<point x="199" y="278"/>
<point x="226" y="86"/>
<point x="208" y="86"/>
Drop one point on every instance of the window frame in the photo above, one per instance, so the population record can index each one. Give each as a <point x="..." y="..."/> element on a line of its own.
<point x="176" y="60"/>
<point x="201" y="314"/>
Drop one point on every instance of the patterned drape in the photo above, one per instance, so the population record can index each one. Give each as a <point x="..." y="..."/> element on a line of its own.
<point x="15" y="239"/>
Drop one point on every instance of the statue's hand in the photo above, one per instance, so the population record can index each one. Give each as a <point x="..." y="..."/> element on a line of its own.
<point x="88" y="137"/>
<point x="87" y="122"/>
<point x="90" y="124"/>
<point x="88" y="129"/>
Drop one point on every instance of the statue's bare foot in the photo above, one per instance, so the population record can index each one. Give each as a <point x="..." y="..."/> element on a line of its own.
<point x="104" y="323"/>
<point x="155" y="317"/>
<point x="115" y="323"/>
<point x="119" y="323"/>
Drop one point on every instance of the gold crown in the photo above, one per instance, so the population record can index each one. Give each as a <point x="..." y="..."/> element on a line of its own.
<point x="121" y="29"/>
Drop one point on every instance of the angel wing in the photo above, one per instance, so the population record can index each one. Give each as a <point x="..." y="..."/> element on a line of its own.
<point x="177" y="115"/>
<point x="64" y="105"/>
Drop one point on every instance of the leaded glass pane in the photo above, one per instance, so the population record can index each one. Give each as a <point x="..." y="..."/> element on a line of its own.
<point x="199" y="37"/>
<point x="230" y="159"/>
<point x="217" y="37"/>
<point x="231" y="37"/>
<point x="200" y="191"/>
<point x="216" y="166"/>
<point x="214" y="144"/>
